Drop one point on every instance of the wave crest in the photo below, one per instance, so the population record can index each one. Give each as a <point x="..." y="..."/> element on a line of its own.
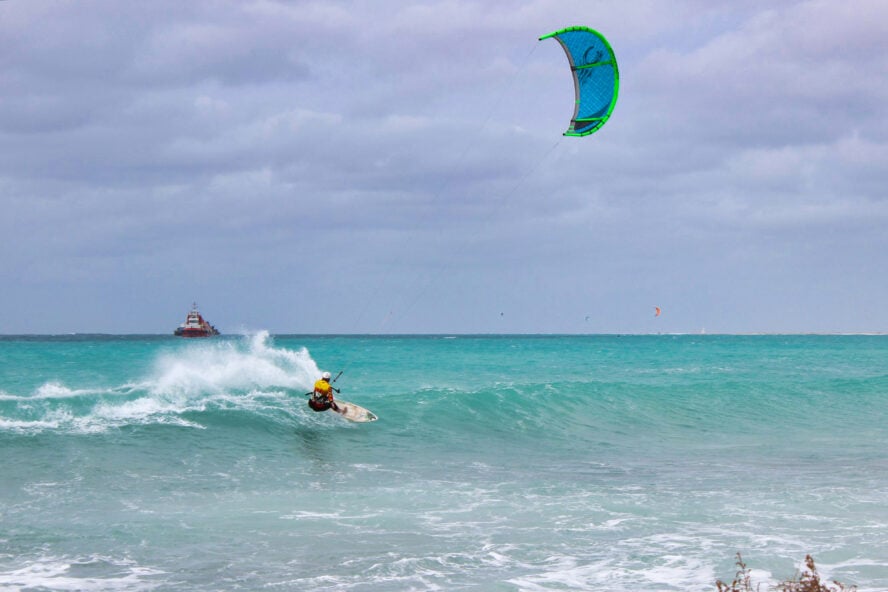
<point x="249" y="374"/>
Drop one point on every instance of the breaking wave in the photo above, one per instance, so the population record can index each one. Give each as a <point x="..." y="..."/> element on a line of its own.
<point x="249" y="374"/>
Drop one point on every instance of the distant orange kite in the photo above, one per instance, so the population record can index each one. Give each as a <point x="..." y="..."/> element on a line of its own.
<point x="656" y="311"/>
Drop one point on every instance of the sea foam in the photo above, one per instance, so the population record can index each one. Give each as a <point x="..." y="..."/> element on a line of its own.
<point x="249" y="374"/>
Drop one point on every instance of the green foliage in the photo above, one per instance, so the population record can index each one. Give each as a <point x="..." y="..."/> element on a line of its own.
<point x="807" y="581"/>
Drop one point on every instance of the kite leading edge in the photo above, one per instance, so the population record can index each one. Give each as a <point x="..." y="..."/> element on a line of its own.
<point x="595" y="74"/>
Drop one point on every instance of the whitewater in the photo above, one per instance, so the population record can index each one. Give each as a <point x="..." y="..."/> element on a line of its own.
<point x="502" y="463"/>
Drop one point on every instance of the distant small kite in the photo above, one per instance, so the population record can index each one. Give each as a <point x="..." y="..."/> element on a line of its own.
<point x="656" y="311"/>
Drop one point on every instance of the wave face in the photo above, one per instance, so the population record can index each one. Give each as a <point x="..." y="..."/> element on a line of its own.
<point x="508" y="463"/>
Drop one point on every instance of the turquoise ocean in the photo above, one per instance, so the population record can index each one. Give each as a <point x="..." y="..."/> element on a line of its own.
<point x="499" y="463"/>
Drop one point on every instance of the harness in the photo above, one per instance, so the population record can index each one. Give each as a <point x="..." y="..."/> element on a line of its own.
<point x="319" y="405"/>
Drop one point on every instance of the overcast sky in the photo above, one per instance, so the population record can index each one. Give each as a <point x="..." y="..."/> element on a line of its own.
<point x="384" y="167"/>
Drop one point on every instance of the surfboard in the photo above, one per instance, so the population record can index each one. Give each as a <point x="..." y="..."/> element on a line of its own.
<point x="355" y="413"/>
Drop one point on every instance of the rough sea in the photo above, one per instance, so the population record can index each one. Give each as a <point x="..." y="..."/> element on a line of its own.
<point x="499" y="463"/>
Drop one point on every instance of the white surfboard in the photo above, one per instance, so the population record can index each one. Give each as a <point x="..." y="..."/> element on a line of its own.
<point x="355" y="413"/>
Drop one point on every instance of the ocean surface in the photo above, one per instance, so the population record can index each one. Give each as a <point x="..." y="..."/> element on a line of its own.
<point x="499" y="463"/>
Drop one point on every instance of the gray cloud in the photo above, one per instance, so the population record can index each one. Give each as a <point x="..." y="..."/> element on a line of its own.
<point x="302" y="166"/>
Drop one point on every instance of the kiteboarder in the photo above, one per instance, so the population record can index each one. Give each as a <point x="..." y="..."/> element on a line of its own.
<point x="322" y="395"/>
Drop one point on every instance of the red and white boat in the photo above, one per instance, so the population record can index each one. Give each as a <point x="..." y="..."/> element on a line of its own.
<point x="195" y="326"/>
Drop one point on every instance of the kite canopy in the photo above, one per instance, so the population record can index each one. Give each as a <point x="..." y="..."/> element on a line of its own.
<point x="595" y="75"/>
